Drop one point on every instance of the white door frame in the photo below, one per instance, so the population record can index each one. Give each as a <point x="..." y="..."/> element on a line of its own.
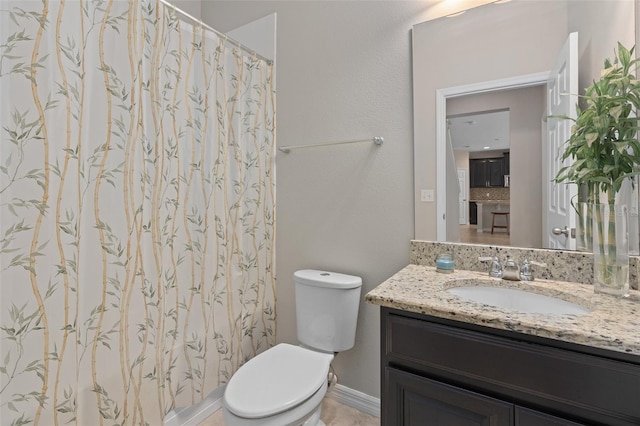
<point x="517" y="82"/>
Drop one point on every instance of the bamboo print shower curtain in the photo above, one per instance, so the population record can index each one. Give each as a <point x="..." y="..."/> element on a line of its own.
<point x="136" y="211"/>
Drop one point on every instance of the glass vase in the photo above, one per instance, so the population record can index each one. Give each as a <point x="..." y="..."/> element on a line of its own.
<point x="584" y="227"/>
<point x="611" y="249"/>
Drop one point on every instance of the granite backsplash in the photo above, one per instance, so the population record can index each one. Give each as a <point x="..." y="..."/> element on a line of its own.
<point x="573" y="266"/>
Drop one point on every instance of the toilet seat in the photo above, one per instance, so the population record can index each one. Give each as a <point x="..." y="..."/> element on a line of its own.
<point x="306" y="414"/>
<point x="276" y="380"/>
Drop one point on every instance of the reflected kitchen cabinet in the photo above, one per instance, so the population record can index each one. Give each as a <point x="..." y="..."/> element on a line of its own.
<point x="473" y="213"/>
<point x="506" y="167"/>
<point x="486" y="172"/>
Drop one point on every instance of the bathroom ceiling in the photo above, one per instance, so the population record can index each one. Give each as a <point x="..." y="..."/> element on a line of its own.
<point x="475" y="132"/>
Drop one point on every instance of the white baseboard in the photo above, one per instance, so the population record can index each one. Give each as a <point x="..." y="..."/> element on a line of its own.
<point x="197" y="413"/>
<point x="356" y="399"/>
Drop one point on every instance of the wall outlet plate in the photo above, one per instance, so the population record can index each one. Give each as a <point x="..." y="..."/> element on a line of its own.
<point x="426" y="195"/>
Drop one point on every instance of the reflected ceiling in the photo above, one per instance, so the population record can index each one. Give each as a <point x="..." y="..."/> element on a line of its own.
<point x="480" y="131"/>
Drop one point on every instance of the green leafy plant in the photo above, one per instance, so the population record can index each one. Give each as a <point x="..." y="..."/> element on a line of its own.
<point x="605" y="151"/>
<point x="604" y="143"/>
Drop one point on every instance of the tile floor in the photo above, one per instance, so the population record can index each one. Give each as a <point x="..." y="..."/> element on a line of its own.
<point x="469" y="235"/>
<point x="333" y="414"/>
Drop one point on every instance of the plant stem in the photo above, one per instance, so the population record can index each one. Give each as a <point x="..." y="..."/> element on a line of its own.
<point x="611" y="245"/>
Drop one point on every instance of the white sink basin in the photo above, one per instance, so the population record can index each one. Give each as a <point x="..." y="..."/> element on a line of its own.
<point x="518" y="300"/>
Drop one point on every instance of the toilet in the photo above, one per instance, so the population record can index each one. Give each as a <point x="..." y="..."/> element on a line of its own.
<point x="285" y="385"/>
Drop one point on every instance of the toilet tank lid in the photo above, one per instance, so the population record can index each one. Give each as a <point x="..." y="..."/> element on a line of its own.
<point x="326" y="279"/>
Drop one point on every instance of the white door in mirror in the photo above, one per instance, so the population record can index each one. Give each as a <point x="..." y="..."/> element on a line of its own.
<point x="562" y="89"/>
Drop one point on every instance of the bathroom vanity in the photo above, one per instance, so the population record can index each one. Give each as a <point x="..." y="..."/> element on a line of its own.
<point x="447" y="361"/>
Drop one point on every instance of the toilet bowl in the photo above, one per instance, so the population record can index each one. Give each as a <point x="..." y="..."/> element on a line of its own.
<point x="285" y="385"/>
<point x="282" y="386"/>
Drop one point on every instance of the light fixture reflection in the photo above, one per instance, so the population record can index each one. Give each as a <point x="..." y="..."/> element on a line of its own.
<point x="453" y="15"/>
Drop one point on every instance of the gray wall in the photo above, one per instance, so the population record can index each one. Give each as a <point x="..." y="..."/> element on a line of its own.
<point x="343" y="73"/>
<point x="192" y="7"/>
<point x="597" y="41"/>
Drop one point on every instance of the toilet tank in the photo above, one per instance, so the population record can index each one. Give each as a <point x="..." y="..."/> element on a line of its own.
<point x="327" y="309"/>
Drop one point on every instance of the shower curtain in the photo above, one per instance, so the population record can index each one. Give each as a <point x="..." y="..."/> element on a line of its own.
<point x="137" y="215"/>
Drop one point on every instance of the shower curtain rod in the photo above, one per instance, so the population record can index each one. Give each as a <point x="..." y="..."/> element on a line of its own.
<point x="216" y="32"/>
<point x="378" y="140"/>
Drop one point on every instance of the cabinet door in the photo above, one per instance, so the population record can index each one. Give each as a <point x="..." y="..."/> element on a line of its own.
<point x="527" y="417"/>
<point x="473" y="213"/>
<point x="478" y="176"/>
<point x="495" y="173"/>
<point x="413" y="400"/>
<point x="506" y="163"/>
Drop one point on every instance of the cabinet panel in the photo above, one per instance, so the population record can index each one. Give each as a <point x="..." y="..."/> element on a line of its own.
<point x="495" y="173"/>
<point x="506" y="163"/>
<point x="473" y="213"/>
<point x="477" y="178"/>
<point x="527" y="417"/>
<point x="579" y="385"/>
<point x="419" y="401"/>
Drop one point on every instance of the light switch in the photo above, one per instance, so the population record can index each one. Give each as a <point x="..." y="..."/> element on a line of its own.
<point x="426" y="195"/>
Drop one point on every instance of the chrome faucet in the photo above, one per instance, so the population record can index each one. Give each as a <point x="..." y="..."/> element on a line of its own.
<point x="511" y="271"/>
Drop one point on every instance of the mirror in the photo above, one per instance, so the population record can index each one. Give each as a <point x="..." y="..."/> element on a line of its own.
<point x="506" y="45"/>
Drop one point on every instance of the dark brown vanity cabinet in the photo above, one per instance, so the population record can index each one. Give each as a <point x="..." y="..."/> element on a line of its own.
<point x="415" y="400"/>
<point x="438" y="372"/>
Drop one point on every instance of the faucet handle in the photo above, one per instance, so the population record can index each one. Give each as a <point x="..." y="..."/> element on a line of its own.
<point x="495" y="270"/>
<point x="526" y="271"/>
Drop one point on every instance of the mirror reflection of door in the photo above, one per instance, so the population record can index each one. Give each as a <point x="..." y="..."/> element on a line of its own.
<point x="562" y="96"/>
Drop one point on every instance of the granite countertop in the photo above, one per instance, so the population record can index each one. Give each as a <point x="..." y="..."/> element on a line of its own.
<point x="613" y="323"/>
<point x="483" y="201"/>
